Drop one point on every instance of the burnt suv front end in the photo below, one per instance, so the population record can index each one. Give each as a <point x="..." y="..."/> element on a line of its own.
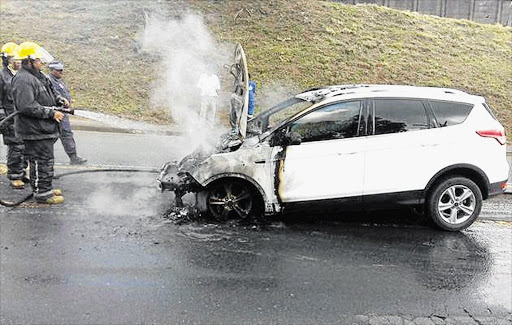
<point x="176" y="177"/>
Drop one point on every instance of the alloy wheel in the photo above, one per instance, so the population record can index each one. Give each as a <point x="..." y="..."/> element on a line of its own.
<point x="230" y="200"/>
<point x="456" y="204"/>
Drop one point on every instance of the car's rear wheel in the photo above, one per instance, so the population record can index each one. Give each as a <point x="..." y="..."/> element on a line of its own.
<point x="455" y="203"/>
<point x="232" y="199"/>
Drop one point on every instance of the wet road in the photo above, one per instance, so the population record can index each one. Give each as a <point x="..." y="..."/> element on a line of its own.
<point x="109" y="256"/>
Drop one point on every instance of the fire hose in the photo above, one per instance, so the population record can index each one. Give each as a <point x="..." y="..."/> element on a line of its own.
<point x="129" y="170"/>
<point x="7" y="118"/>
<point x="29" y="196"/>
<point x="12" y="115"/>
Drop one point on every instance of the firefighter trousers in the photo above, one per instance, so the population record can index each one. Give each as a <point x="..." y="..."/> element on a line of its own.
<point x="16" y="160"/>
<point x="41" y="159"/>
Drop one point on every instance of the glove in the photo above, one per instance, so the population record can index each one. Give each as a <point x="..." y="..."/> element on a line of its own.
<point x="61" y="101"/>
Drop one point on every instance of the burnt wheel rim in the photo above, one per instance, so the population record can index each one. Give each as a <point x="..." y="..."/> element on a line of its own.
<point x="456" y="204"/>
<point x="230" y="201"/>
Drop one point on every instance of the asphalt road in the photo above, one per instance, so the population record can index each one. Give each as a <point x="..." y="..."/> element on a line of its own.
<point x="111" y="255"/>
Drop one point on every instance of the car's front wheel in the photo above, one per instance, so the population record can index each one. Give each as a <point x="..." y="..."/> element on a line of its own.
<point x="455" y="203"/>
<point x="232" y="199"/>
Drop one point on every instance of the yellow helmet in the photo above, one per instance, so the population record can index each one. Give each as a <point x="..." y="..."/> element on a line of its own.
<point x="9" y="49"/>
<point x="32" y="51"/>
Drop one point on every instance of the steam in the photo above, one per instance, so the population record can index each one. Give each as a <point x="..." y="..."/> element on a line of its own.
<point x="184" y="48"/>
<point x="109" y="201"/>
<point x="274" y="93"/>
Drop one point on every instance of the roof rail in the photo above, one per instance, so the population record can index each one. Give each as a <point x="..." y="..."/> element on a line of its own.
<point x="315" y="94"/>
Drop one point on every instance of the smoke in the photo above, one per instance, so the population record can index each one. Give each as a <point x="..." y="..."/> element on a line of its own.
<point x="274" y="93"/>
<point x="184" y="49"/>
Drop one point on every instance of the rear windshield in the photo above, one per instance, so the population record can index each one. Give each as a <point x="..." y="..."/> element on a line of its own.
<point x="450" y="113"/>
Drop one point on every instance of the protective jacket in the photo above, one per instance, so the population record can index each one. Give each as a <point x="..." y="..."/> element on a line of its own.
<point x="35" y="99"/>
<point x="7" y="105"/>
<point x="6" y="99"/>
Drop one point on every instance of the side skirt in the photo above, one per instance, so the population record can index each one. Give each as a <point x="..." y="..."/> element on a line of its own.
<point x="359" y="203"/>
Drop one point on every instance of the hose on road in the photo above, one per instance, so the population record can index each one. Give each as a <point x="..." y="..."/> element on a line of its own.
<point x="11" y="204"/>
<point x="7" y="203"/>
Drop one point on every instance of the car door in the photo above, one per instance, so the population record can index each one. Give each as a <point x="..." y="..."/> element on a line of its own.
<point x="403" y="150"/>
<point x="328" y="163"/>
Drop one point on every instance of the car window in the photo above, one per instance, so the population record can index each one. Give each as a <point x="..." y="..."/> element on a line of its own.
<point x="282" y="115"/>
<point x="335" y="121"/>
<point x="450" y="113"/>
<point x="399" y="115"/>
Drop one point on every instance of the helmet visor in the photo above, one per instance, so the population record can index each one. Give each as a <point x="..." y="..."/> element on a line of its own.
<point x="45" y="56"/>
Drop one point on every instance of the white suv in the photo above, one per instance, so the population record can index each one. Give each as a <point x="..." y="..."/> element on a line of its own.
<point x="353" y="146"/>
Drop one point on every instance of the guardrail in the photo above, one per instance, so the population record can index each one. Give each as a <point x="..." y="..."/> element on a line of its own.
<point x="482" y="11"/>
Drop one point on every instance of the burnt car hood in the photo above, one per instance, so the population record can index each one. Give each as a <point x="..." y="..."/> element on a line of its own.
<point x="240" y="89"/>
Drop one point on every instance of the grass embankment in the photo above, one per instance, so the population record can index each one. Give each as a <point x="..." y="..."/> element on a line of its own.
<point x="296" y="43"/>
<point x="96" y="40"/>
<point x="311" y="43"/>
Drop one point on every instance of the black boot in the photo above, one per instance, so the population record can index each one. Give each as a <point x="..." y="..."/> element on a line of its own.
<point x="75" y="160"/>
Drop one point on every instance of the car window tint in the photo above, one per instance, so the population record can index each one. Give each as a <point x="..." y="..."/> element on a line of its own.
<point x="449" y="113"/>
<point x="336" y="121"/>
<point x="399" y="115"/>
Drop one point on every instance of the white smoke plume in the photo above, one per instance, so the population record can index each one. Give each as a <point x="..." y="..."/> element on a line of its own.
<point x="185" y="48"/>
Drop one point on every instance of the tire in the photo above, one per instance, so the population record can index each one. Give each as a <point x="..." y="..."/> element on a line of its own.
<point x="232" y="200"/>
<point x="454" y="203"/>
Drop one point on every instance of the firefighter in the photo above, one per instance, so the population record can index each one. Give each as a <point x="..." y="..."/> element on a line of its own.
<point x="38" y="120"/>
<point x="16" y="164"/>
<point x="67" y="139"/>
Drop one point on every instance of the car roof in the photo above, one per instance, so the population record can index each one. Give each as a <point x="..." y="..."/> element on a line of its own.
<point x="369" y="90"/>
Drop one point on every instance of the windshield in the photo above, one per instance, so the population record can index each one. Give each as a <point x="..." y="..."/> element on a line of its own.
<point x="277" y="115"/>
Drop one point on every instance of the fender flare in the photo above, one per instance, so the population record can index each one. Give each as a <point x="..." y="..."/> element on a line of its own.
<point x="239" y="176"/>
<point x="483" y="181"/>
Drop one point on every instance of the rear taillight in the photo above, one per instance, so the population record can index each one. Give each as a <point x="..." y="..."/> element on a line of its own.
<point x="499" y="135"/>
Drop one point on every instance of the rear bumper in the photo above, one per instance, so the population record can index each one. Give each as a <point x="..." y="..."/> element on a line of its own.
<point x="497" y="188"/>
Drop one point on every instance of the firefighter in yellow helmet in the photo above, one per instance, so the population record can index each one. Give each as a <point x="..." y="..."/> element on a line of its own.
<point x="16" y="164"/>
<point x="38" y="120"/>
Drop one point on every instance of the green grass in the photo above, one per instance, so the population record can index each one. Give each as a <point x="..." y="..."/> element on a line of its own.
<point x="319" y="43"/>
<point x="294" y="43"/>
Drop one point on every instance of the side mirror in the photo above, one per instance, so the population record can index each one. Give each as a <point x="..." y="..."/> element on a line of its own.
<point x="292" y="138"/>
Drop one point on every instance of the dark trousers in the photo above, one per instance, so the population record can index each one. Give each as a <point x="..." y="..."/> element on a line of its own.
<point x="66" y="137"/>
<point x="16" y="161"/>
<point x="41" y="159"/>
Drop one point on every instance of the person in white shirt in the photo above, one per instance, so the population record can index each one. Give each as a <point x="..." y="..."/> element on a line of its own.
<point x="209" y="84"/>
